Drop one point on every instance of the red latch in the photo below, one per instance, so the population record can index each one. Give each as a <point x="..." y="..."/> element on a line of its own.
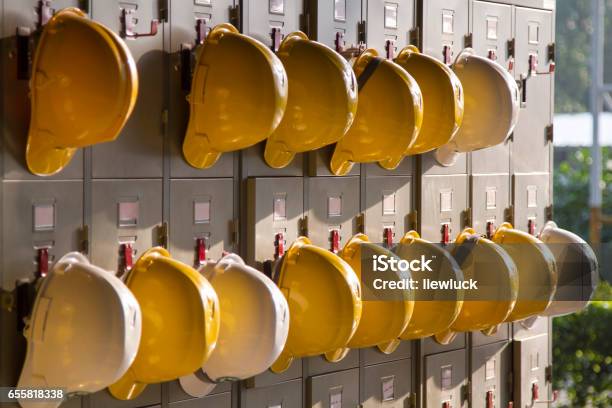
<point x="510" y="404"/>
<point x="339" y="42"/>
<point x="533" y="64"/>
<point x="490" y="399"/>
<point x="128" y="23"/>
<point x="277" y="37"/>
<point x="446" y="233"/>
<point x="531" y="226"/>
<point x="535" y="391"/>
<point x="490" y="229"/>
<point x="492" y="55"/>
<point x="335" y="241"/>
<point x="201" y="251"/>
<point x="390" y="49"/>
<point x="511" y="64"/>
<point x="279" y="245"/>
<point x="43" y="262"/>
<point x="447" y="53"/>
<point x="447" y="404"/>
<point x="388" y="237"/>
<point x="127" y="252"/>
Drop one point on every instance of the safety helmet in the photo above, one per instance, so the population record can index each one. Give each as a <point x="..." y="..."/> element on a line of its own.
<point x="180" y="322"/>
<point x="322" y="99"/>
<point x="238" y="96"/>
<point x="497" y="285"/>
<point x="71" y="106"/>
<point x="434" y="310"/>
<point x="324" y="297"/>
<point x="577" y="268"/>
<point x="492" y="104"/>
<point x="389" y="116"/>
<point x="82" y="315"/>
<point x="254" y="325"/>
<point x="383" y="320"/>
<point x="442" y="94"/>
<point x="536" y="268"/>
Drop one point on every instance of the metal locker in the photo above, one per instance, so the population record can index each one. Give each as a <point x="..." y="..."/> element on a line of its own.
<point x="491" y="370"/>
<point x="444" y="30"/>
<point x="445" y="379"/>
<point x="21" y="14"/>
<point x="270" y="20"/>
<point x="222" y="400"/>
<point x="442" y="206"/>
<point x="138" y="151"/>
<point x="255" y="166"/>
<point x="42" y="222"/>
<point x="275" y="209"/>
<point x="336" y="390"/>
<point x="388" y="25"/>
<point x="430" y="346"/>
<point x="491" y="28"/>
<point x="284" y="395"/>
<point x="176" y="393"/>
<point x="269" y="378"/>
<point x="532" y="372"/>
<point x="184" y="18"/>
<point x="201" y="219"/>
<point x="103" y="399"/>
<point x="387" y="385"/>
<point x="319" y="365"/>
<point x="534" y="50"/>
<point x="319" y="160"/>
<point x="337" y="24"/>
<point x="333" y="207"/>
<point x="388" y="208"/>
<point x="373" y="355"/>
<point x="503" y="333"/>
<point x="489" y="202"/>
<point x="405" y="168"/>
<point x="126" y="216"/>
<point x="531" y="195"/>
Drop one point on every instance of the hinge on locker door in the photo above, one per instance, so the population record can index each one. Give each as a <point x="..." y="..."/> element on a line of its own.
<point x="413" y="220"/>
<point x="509" y="214"/>
<point x="468" y="40"/>
<point x="467" y="217"/>
<point x="550" y="133"/>
<point x="466" y="393"/>
<point x="511" y="46"/>
<point x="361" y="32"/>
<point x="23" y="52"/>
<point x="415" y="36"/>
<point x="304" y="226"/>
<point x="235" y="232"/>
<point x="128" y="25"/>
<point x="234" y="17"/>
<point x="163" y="10"/>
<point x="162" y="234"/>
<point x="548" y="373"/>
<point x="360" y="221"/>
<point x="84" y="238"/>
<point x="305" y="24"/>
<point x="549" y="212"/>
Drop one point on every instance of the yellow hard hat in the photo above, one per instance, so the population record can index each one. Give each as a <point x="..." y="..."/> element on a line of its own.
<point x="434" y="310"/>
<point x="389" y="116"/>
<point x="238" y="96"/>
<point x="322" y="99"/>
<point x="324" y="297"/>
<point x="536" y="267"/>
<point x="443" y="95"/>
<point x="497" y="278"/>
<point x="83" y="89"/>
<point x="384" y="320"/>
<point x="180" y="322"/>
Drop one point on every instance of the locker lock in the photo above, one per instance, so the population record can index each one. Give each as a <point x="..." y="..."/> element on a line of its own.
<point x="390" y="49"/>
<point x="200" y="251"/>
<point x="277" y="37"/>
<point x="44" y="11"/>
<point x="279" y="245"/>
<point x="492" y="55"/>
<point x="334" y="239"/>
<point x="447" y="54"/>
<point x="531" y="227"/>
<point x="128" y="25"/>
<point x="446" y="231"/>
<point x="388" y="237"/>
<point x="490" y="399"/>
<point x="339" y="42"/>
<point x="201" y="29"/>
<point x="127" y="257"/>
<point x="490" y="229"/>
<point x="42" y="259"/>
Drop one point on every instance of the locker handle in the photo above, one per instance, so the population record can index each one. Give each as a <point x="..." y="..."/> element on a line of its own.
<point x="128" y="24"/>
<point x="390" y="49"/>
<point x="490" y="399"/>
<point x="43" y="262"/>
<point x="490" y="229"/>
<point x="279" y="245"/>
<point x="533" y="66"/>
<point x="201" y="30"/>
<point x="201" y="251"/>
<point x="127" y="253"/>
<point x="335" y="241"/>
<point x="277" y="37"/>
<point x="531" y="227"/>
<point x="446" y="231"/>
<point x="388" y="237"/>
<point x="447" y="404"/>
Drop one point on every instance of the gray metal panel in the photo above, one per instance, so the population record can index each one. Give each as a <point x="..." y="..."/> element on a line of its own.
<point x="405" y="168"/>
<point x="530" y="149"/>
<point x="319" y="365"/>
<point x="262" y="222"/>
<point x="491" y="29"/>
<point x="223" y="400"/>
<point x="491" y="369"/>
<point x="444" y="199"/>
<point x="340" y="16"/>
<point x="531" y="193"/>
<point x="388" y="385"/>
<point x="445" y="23"/>
<point x="521" y="331"/>
<point x="337" y="390"/>
<point x="445" y="377"/>
<point x="503" y="333"/>
<point x="200" y="209"/>
<point x="284" y="395"/>
<point x="429" y="165"/>
<point x="260" y="16"/>
<point x="255" y="166"/>
<point x="74" y="402"/>
<point x="373" y="355"/>
<point x="388" y="205"/>
<point x="268" y="378"/>
<point x="137" y="152"/>
<point x="530" y="361"/>
<point x="59" y="205"/>
<point x="389" y="20"/>
<point x="318" y="163"/>
<point x="15" y="95"/>
<point x="334" y="203"/>
<point x="430" y="346"/>
<point x="176" y="393"/>
<point x="106" y="233"/>
<point x="183" y="17"/>
<point x="489" y="201"/>
<point x="103" y="399"/>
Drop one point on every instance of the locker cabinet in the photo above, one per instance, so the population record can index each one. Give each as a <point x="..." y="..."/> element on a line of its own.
<point x="388" y="25"/>
<point x="138" y="151"/>
<point x="284" y="395"/>
<point x="388" y="208"/>
<point x="491" y="369"/>
<point x="531" y="194"/>
<point x="445" y="379"/>
<point x="489" y="202"/>
<point x="270" y="20"/>
<point x="531" y="364"/>
<point x="387" y="385"/>
<point x="503" y="333"/>
<point x="336" y="390"/>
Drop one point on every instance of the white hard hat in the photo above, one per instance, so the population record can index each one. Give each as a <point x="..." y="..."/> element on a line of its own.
<point x="577" y="267"/>
<point x="492" y="105"/>
<point x="254" y="325"/>
<point x="83" y="333"/>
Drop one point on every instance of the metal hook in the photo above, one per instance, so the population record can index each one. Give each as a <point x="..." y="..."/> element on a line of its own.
<point x="129" y="25"/>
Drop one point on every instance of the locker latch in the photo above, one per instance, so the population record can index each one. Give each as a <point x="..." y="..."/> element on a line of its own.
<point x="447" y="54"/>
<point x="531" y="226"/>
<point x="200" y="251"/>
<point x="334" y="240"/>
<point x="127" y="257"/>
<point x="44" y="11"/>
<point x="277" y="37"/>
<point x="533" y="66"/>
<point x="490" y="399"/>
<point x="339" y="42"/>
<point x="128" y="25"/>
<point x="201" y="29"/>
<point x="511" y="46"/>
<point x="492" y="55"/>
<point x="446" y="231"/>
<point x="390" y="49"/>
<point x="42" y="260"/>
<point x="279" y="245"/>
<point x="490" y="229"/>
<point x="388" y="237"/>
<point x="447" y="404"/>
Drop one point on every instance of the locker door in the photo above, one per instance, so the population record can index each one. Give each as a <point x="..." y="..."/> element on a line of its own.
<point x="490" y="198"/>
<point x="270" y="20"/>
<point x="336" y="390"/>
<point x="445" y="379"/>
<point x="531" y="198"/>
<point x="531" y="363"/>
<point x="337" y="22"/>
<point x="284" y="395"/>
<point x="491" y="367"/>
<point x="442" y="206"/>
<point x="388" y="25"/>
<point x="388" y="385"/>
